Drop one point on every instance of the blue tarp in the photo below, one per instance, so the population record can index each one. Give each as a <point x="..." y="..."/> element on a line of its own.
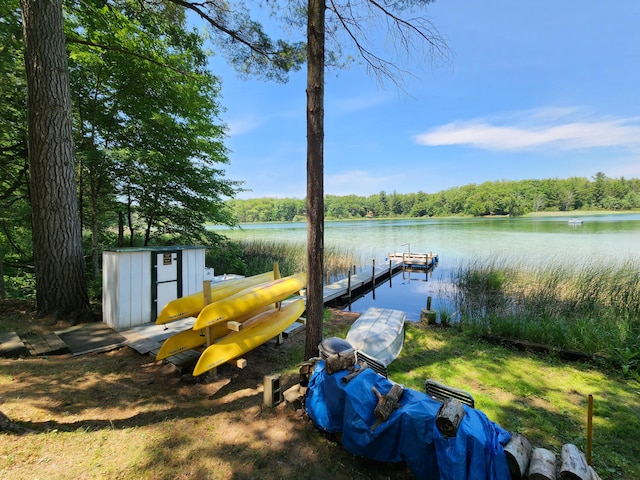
<point x="410" y="434"/>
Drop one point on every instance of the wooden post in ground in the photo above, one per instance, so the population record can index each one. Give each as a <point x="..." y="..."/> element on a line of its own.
<point x="589" y="429"/>
<point x="206" y="292"/>
<point x="373" y="278"/>
<point x="276" y="276"/>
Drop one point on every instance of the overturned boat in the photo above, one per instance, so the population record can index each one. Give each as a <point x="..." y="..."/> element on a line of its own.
<point x="377" y="337"/>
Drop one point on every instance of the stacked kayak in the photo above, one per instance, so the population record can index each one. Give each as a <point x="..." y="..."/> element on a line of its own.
<point x="260" y="311"/>
<point x="191" y="305"/>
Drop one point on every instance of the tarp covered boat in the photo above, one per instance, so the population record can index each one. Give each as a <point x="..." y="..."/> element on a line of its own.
<point x="410" y="434"/>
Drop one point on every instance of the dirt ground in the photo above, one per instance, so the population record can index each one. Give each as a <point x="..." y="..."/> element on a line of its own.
<point x="121" y="390"/>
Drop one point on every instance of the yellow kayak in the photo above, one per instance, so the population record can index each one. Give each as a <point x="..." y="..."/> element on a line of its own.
<point x="256" y="331"/>
<point x="190" y="305"/>
<point x="249" y="300"/>
<point x="188" y="339"/>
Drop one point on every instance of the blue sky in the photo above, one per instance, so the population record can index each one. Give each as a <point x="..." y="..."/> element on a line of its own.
<point x="532" y="89"/>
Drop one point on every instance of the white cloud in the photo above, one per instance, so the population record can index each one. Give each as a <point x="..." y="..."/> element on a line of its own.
<point x="545" y="128"/>
<point x="243" y="125"/>
<point x="359" y="182"/>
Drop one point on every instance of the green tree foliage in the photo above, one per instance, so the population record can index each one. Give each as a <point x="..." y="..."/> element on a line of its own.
<point x="147" y="122"/>
<point x="490" y="198"/>
<point x="148" y="138"/>
<point x="15" y="215"/>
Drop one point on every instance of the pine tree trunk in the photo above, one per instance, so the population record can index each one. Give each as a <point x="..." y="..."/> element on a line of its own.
<point x="61" y="285"/>
<point x="315" y="175"/>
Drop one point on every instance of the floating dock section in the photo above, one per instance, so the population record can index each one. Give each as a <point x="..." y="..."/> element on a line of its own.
<point x="417" y="261"/>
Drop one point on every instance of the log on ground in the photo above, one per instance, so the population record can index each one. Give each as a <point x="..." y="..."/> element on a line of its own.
<point x="542" y="465"/>
<point x="574" y="464"/>
<point x="518" y="452"/>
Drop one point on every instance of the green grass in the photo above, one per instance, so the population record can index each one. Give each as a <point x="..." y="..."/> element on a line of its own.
<point x="540" y="397"/>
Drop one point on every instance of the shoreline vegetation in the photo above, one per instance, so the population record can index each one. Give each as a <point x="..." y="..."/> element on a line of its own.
<point x="593" y="309"/>
<point x="572" y="213"/>
<point x="496" y="198"/>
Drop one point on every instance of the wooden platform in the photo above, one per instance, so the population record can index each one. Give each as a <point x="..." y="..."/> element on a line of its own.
<point x="415" y="260"/>
<point x="362" y="281"/>
<point x="49" y="344"/>
<point x="12" y="346"/>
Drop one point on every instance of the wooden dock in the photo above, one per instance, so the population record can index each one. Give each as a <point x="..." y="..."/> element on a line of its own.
<point x="415" y="260"/>
<point x="354" y="285"/>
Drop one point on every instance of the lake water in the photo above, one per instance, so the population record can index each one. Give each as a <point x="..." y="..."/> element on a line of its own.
<point x="538" y="241"/>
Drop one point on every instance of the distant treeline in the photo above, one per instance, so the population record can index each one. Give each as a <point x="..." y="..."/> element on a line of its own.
<point x="489" y="198"/>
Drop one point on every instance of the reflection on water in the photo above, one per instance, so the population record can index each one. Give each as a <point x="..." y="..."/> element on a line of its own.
<point x="409" y="292"/>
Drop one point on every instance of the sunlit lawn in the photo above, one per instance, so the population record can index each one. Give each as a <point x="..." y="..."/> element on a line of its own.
<point x="542" y="397"/>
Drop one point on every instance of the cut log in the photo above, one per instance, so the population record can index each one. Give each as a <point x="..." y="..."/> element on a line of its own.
<point x="574" y="464"/>
<point x="518" y="452"/>
<point x="388" y="402"/>
<point x="542" y="465"/>
<point x="449" y="417"/>
<point x="355" y="372"/>
<point x="340" y="361"/>
<point x="306" y="370"/>
<point x="294" y="396"/>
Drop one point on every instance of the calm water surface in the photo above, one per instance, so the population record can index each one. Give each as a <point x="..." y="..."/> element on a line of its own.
<point x="600" y="239"/>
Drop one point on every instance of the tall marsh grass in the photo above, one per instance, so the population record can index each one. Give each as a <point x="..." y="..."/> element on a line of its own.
<point x="591" y="308"/>
<point x="258" y="256"/>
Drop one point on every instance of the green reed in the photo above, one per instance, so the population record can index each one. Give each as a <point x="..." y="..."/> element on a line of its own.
<point x="259" y="256"/>
<point x="591" y="308"/>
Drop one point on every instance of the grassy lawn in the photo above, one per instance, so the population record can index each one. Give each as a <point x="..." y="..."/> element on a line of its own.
<point x="541" y="397"/>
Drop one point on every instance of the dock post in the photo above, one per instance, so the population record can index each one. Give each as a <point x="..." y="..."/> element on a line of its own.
<point x="390" y="273"/>
<point x="349" y="287"/>
<point x="373" y="278"/>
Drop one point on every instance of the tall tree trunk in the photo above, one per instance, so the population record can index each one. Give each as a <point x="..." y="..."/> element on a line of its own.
<point x="61" y="285"/>
<point x="315" y="174"/>
<point x="3" y="292"/>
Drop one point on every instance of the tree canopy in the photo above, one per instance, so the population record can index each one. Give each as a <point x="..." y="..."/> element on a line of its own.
<point x="149" y="142"/>
<point x="489" y="198"/>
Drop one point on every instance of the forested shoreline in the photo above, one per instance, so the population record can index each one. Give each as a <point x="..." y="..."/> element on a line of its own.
<point x="504" y="197"/>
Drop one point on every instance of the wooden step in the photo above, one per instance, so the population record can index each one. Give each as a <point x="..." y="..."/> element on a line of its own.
<point x="48" y="344"/>
<point x="12" y="346"/>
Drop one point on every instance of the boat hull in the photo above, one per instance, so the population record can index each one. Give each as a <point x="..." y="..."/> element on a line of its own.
<point x="378" y="333"/>
<point x="255" y="332"/>
<point x="189" y="338"/>
<point x="249" y="300"/>
<point x="191" y="305"/>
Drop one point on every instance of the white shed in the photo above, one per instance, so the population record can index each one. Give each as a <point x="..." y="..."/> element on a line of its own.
<point x="138" y="282"/>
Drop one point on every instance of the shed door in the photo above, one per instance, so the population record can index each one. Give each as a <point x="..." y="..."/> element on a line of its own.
<point x="167" y="279"/>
